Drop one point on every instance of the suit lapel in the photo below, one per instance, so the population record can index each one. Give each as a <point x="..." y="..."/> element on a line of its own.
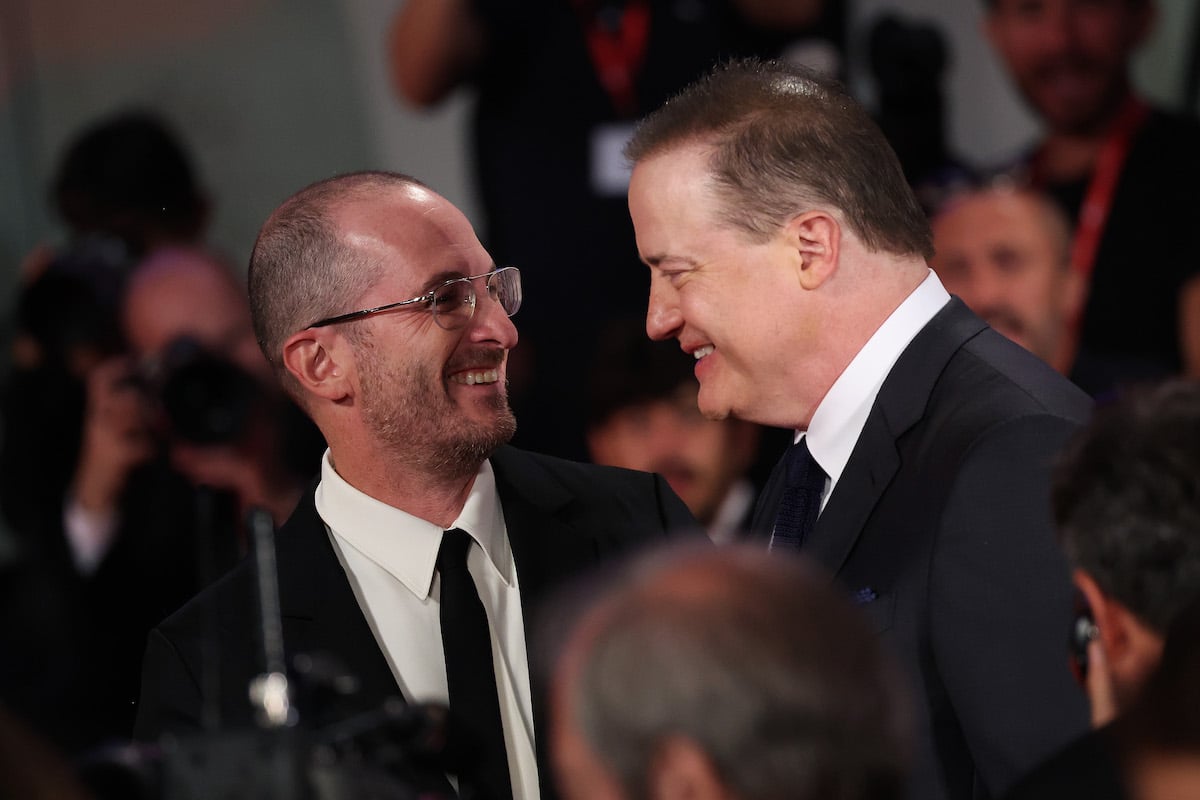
<point x="876" y="457"/>
<point x="320" y="612"/>
<point x="546" y="548"/>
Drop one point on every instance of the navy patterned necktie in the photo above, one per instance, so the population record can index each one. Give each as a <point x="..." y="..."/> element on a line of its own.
<point x="475" y="735"/>
<point x="801" y="501"/>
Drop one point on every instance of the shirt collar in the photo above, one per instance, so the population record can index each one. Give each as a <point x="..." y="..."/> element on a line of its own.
<point x="843" y="411"/>
<point x="404" y="545"/>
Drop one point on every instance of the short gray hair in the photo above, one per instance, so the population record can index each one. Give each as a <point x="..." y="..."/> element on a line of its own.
<point x="302" y="270"/>
<point x="754" y="657"/>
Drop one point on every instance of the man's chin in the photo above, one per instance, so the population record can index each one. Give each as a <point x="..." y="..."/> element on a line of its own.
<point x="711" y="405"/>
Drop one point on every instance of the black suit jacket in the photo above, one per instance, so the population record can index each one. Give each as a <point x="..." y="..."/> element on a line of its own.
<point x="563" y="519"/>
<point x="940" y="527"/>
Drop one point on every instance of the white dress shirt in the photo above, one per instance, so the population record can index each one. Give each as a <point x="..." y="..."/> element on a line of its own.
<point x="390" y="559"/>
<point x="843" y="411"/>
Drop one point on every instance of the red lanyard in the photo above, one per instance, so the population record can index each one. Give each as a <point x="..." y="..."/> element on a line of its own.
<point x="616" y="41"/>
<point x="1098" y="199"/>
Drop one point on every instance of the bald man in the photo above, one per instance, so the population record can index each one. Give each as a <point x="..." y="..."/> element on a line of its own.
<point x="389" y="323"/>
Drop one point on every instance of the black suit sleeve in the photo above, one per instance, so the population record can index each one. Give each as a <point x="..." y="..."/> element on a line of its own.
<point x="1000" y="603"/>
<point x="170" y="696"/>
<point x="677" y="520"/>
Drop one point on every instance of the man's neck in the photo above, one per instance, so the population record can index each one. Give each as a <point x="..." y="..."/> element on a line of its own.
<point x="435" y="498"/>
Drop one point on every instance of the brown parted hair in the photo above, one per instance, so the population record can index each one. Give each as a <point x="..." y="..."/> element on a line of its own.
<point x="786" y="140"/>
<point x="302" y="270"/>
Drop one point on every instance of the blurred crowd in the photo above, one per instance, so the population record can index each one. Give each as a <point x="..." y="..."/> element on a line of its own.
<point x="141" y="422"/>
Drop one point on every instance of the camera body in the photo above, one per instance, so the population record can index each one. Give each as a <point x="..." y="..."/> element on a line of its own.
<point x="204" y="398"/>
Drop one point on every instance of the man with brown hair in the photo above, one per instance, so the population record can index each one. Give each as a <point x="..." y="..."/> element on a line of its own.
<point x="788" y="255"/>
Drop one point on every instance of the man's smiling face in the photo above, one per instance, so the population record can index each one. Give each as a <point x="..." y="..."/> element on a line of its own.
<point x="436" y="394"/>
<point x="732" y="302"/>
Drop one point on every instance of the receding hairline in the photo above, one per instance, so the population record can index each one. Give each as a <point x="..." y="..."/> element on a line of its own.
<point x="326" y="198"/>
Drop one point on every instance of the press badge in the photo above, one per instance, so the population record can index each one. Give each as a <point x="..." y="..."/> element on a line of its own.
<point x="609" y="174"/>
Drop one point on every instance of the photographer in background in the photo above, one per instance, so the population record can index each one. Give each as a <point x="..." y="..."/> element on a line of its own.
<point x="75" y="607"/>
<point x="224" y="420"/>
<point x="180" y="436"/>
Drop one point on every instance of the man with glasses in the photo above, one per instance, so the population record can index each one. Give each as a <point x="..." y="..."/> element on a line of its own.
<point x="421" y="556"/>
<point x="789" y="256"/>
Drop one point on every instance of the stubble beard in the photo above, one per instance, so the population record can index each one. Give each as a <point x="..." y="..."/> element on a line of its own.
<point x="408" y="410"/>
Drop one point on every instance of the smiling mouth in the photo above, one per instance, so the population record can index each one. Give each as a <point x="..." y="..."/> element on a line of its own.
<point x="476" y="377"/>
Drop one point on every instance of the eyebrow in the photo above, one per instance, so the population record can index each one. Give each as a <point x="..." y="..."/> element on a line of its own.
<point x="656" y="260"/>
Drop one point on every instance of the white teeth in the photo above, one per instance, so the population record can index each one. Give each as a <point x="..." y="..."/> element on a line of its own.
<point x="472" y="378"/>
<point x="701" y="352"/>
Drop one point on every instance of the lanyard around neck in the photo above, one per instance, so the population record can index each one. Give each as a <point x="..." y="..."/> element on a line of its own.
<point x="617" y="35"/>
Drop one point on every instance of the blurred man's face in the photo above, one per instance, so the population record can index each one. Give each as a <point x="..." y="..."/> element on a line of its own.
<point x="185" y="293"/>
<point x="1069" y="58"/>
<point x="997" y="252"/>
<point x="699" y="458"/>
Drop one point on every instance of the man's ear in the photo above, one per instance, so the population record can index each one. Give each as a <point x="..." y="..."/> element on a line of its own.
<point x="1131" y="647"/>
<point x="317" y="358"/>
<point x="680" y="770"/>
<point x="816" y="237"/>
<point x="1107" y="624"/>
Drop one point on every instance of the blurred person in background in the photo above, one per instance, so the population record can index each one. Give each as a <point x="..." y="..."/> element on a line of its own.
<point x="227" y="425"/>
<point x="82" y="589"/>
<point x="1127" y="174"/>
<point x="690" y="674"/>
<point x="1005" y="250"/>
<point x="642" y="414"/>
<point x="1128" y="515"/>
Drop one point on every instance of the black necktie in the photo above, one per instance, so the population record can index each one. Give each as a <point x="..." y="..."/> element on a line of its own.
<point x="801" y="501"/>
<point x="475" y="737"/>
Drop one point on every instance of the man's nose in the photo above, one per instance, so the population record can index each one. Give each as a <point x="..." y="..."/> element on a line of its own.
<point x="491" y="322"/>
<point x="663" y="318"/>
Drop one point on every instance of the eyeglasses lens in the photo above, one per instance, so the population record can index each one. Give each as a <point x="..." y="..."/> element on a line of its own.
<point x="454" y="303"/>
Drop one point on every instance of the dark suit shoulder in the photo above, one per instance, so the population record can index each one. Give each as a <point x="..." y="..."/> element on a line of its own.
<point x="1006" y="377"/>
<point x="576" y="489"/>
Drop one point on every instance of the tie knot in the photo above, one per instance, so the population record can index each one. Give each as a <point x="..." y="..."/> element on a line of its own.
<point x="453" y="552"/>
<point x="803" y="471"/>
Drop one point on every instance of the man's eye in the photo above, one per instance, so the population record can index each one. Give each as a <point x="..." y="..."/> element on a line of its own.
<point x="450" y="295"/>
